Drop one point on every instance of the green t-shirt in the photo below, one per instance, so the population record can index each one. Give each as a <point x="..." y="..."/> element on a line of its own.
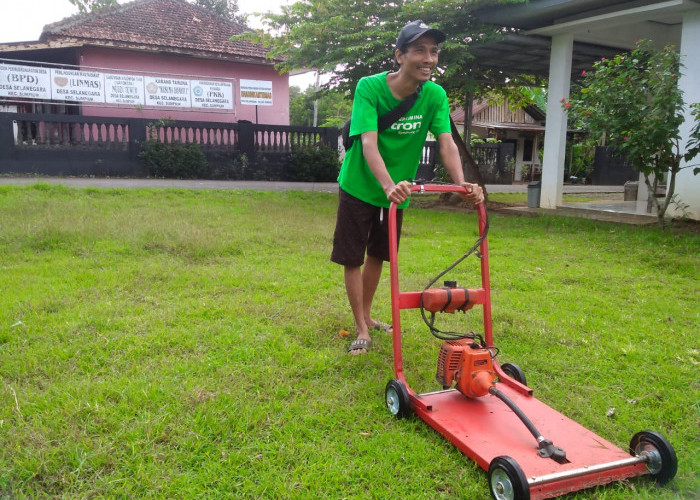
<point x="401" y="145"/>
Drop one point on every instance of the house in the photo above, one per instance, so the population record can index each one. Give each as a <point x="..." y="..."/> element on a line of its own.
<point x="557" y="39"/>
<point x="523" y="128"/>
<point x="153" y="59"/>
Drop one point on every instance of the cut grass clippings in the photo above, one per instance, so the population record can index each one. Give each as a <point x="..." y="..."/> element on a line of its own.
<point x="185" y="344"/>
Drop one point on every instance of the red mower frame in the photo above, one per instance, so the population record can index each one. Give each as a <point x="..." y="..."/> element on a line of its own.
<point x="490" y="433"/>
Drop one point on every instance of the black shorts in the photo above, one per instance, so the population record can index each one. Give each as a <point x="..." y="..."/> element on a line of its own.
<point x="361" y="227"/>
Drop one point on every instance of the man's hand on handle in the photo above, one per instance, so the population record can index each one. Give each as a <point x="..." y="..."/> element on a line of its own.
<point x="398" y="193"/>
<point x="474" y="193"/>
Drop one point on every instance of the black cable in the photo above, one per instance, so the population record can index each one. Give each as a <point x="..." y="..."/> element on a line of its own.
<point x="444" y="335"/>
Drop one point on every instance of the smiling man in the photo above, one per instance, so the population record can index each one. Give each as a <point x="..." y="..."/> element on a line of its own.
<point x="378" y="168"/>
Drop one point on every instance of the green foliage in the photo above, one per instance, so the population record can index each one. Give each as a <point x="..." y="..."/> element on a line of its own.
<point x="85" y="6"/>
<point x="227" y="9"/>
<point x="582" y="158"/>
<point x="313" y="163"/>
<point x="635" y="101"/>
<point x="177" y="161"/>
<point x="334" y="107"/>
<point x="354" y="38"/>
<point x="693" y="149"/>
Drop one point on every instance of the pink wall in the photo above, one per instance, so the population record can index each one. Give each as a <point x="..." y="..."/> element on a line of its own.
<point x="189" y="67"/>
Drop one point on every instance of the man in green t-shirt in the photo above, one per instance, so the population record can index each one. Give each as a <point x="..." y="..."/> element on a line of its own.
<point x="379" y="167"/>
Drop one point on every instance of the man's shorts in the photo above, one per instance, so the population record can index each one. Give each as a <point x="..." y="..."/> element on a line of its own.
<point x="361" y="227"/>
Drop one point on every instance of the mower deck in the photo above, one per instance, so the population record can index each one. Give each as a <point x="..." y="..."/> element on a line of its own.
<point x="485" y="428"/>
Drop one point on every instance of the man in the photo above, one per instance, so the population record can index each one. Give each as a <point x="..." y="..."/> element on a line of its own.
<point x="378" y="168"/>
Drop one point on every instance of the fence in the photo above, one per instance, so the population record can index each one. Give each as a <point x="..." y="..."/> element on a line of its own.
<point x="495" y="161"/>
<point x="84" y="145"/>
<point x="611" y="168"/>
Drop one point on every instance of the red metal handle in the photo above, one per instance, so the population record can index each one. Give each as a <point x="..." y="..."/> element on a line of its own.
<point x="396" y="295"/>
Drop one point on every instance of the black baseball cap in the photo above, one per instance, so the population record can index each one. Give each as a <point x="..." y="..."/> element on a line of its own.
<point x="414" y="30"/>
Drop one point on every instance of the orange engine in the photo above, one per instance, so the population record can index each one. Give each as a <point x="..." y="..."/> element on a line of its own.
<point x="468" y="364"/>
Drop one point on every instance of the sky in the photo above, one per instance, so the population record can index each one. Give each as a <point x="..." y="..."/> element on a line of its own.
<point x="22" y="21"/>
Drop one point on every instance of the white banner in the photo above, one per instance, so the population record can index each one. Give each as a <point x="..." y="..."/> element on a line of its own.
<point x="171" y="92"/>
<point x="256" y="92"/>
<point x="124" y="89"/>
<point x="83" y="86"/>
<point x="26" y="82"/>
<point x="212" y="95"/>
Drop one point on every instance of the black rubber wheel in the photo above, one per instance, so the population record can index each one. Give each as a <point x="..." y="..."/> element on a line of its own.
<point x="507" y="480"/>
<point x="396" y="398"/>
<point x="662" y="463"/>
<point x="514" y="372"/>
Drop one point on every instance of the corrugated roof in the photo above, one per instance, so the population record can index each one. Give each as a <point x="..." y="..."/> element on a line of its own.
<point x="158" y="25"/>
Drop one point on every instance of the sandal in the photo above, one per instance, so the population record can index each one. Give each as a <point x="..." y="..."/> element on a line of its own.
<point x="382" y="327"/>
<point x="360" y="344"/>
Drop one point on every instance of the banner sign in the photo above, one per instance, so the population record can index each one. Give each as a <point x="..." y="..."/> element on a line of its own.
<point x="124" y="89"/>
<point x="171" y="92"/>
<point x="256" y="92"/>
<point x="26" y="82"/>
<point x="71" y="85"/>
<point x="30" y="82"/>
<point x="212" y="95"/>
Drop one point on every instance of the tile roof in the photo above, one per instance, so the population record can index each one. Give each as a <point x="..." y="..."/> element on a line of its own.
<point x="174" y="26"/>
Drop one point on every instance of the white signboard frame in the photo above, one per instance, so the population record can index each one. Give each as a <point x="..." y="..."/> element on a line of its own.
<point x="124" y="89"/>
<point x="167" y="91"/>
<point x="73" y="85"/>
<point x="212" y="95"/>
<point x="25" y="82"/>
<point x="256" y="92"/>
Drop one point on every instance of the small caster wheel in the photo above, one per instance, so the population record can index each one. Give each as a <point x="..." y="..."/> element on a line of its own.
<point x="507" y="480"/>
<point x="396" y="398"/>
<point x="661" y="457"/>
<point x="514" y="372"/>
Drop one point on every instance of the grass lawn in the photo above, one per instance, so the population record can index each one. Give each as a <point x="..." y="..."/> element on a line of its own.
<point x="185" y="344"/>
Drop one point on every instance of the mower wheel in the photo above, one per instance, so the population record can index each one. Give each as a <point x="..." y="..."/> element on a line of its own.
<point x="397" y="400"/>
<point x="514" y="372"/>
<point x="507" y="480"/>
<point x="662" y="462"/>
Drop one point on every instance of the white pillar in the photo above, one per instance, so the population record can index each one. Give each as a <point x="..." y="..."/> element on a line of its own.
<point x="687" y="184"/>
<point x="555" y="130"/>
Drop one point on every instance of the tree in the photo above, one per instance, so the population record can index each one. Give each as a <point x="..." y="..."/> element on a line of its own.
<point x="90" y="5"/>
<point x="634" y="101"/>
<point x="350" y="39"/>
<point x="334" y="107"/>
<point x="224" y="8"/>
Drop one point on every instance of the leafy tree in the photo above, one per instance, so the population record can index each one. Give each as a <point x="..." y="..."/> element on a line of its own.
<point x="90" y="5"/>
<point x="334" y="107"/>
<point x="634" y="101"/>
<point x="223" y="8"/>
<point x="350" y="39"/>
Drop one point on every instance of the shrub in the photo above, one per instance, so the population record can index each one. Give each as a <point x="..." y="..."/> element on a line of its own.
<point x="174" y="160"/>
<point x="313" y="163"/>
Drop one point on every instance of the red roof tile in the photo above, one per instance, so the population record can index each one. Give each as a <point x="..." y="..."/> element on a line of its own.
<point x="159" y="25"/>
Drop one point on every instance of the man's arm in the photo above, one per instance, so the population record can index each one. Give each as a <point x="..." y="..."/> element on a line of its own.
<point x="453" y="164"/>
<point x="396" y="193"/>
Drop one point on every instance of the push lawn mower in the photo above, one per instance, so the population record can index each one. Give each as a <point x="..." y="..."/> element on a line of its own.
<point x="484" y="407"/>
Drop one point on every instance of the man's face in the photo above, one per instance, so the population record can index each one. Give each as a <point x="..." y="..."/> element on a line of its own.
<point x="420" y="58"/>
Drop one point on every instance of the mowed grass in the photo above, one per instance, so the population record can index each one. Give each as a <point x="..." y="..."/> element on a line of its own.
<point x="185" y="344"/>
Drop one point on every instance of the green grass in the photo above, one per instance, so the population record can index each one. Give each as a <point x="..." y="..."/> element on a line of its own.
<point x="184" y="344"/>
